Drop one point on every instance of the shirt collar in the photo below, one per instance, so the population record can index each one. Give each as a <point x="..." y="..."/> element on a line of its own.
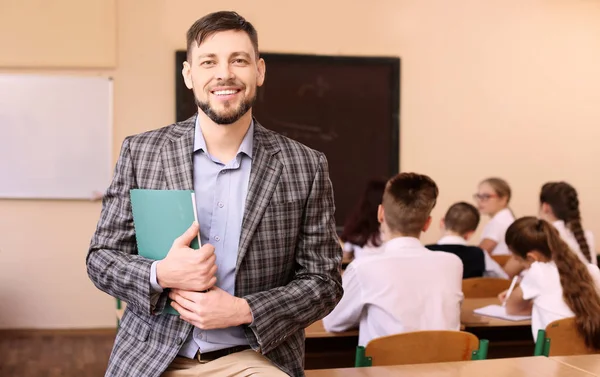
<point x="404" y="242"/>
<point x="451" y="239"/>
<point x="245" y="147"/>
<point x="559" y="224"/>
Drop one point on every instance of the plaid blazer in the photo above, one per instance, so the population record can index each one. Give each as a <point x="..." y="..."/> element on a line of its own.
<point x="288" y="259"/>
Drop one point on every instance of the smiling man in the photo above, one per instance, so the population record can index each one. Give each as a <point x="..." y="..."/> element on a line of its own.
<point x="269" y="262"/>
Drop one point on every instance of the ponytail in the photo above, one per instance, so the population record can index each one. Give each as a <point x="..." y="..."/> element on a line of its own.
<point x="573" y="222"/>
<point x="579" y="290"/>
<point x="563" y="199"/>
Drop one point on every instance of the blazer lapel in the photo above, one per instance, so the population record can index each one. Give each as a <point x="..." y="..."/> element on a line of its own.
<point x="176" y="156"/>
<point x="264" y="176"/>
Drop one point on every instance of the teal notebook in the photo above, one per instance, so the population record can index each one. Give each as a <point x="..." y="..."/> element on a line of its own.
<point x="159" y="217"/>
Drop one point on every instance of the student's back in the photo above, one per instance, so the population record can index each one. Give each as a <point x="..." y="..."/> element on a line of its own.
<point x="407" y="288"/>
<point x="472" y="258"/>
<point x="557" y="284"/>
<point x="458" y="226"/>
<point x="404" y="287"/>
<point x="541" y="284"/>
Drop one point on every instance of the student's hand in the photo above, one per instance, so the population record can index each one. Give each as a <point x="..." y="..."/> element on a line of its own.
<point x="502" y="296"/>
<point x="215" y="309"/>
<point x="186" y="268"/>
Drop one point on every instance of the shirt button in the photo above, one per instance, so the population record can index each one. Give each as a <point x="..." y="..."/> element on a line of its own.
<point x="217" y="238"/>
<point x="179" y="341"/>
<point x="221" y="205"/>
<point x="223" y="171"/>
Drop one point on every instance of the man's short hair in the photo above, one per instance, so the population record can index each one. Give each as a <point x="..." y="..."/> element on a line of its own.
<point x="407" y="202"/>
<point x="216" y="22"/>
<point x="461" y="218"/>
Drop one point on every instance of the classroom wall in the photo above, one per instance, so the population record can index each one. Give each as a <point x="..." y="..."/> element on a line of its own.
<point x="503" y="87"/>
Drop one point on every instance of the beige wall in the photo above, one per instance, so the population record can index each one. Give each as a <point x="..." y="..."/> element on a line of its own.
<point x="508" y="88"/>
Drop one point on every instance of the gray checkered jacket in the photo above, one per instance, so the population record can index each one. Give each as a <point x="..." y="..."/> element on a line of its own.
<point x="288" y="258"/>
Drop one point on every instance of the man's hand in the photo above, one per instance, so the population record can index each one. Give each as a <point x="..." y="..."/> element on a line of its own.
<point x="215" y="309"/>
<point x="186" y="268"/>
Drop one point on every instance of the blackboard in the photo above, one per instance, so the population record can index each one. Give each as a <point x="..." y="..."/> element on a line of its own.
<point x="345" y="107"/>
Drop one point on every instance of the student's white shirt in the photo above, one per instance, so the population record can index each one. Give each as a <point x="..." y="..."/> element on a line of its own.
<point x="359" y="251"/>
<point x="495" y="230"/>
<point x="569" y="238"/>
<point x="541" y="284"/>
<point x="404" y="288"/>
<point x="492" y="268"/>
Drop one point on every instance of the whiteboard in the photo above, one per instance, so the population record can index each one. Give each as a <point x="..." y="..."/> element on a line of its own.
<point x="55" y="136"/>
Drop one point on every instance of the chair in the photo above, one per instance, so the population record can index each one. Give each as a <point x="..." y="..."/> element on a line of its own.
<point x="501" y="259"/>
<point x="484" y="287"/>
<point x="564" y="338"/>
<point x="421" y="347"/>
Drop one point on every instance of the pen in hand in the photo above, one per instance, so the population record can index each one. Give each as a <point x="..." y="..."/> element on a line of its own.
<point x="510" y="289"/>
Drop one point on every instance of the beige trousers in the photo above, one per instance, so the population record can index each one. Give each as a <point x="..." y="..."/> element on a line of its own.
<point x="239" y="364"/>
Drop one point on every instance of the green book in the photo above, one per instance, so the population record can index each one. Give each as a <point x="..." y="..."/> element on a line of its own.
<point x="159" y="217"/>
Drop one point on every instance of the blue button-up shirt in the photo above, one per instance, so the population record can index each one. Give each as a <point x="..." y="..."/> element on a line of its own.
<point x="221" y="190"/>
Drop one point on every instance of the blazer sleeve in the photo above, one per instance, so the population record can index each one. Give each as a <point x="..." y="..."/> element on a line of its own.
<point x="112" y="261"/>
<point x="316" y="287"/>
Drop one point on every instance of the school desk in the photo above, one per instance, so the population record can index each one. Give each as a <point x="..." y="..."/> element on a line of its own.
<point x="507" y="338"/>
<point x="516" y="367"/>
<point x="587" y="363"/>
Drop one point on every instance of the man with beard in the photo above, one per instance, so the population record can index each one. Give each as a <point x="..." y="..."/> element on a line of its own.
<point x="269" y="262"/>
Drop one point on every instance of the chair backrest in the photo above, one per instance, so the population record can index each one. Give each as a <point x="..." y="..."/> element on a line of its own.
<point x="484" y="287"/>
<point x="501" y="259"/>
<point x="422" y="347"/>
<point x="565" y="340"/>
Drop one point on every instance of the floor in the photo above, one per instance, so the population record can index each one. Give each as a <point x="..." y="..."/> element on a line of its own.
<point x="48" y="353"/>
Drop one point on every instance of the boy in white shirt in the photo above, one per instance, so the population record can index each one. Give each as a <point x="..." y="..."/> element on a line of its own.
<point x="458" y="226"/>
<point x="405" y="287"/>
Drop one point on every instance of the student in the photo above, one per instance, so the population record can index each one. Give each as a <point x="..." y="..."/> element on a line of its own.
<point x="361" y="233"/>
<point x="406" y="287"/>
<point x="458" y="226"/>
<point x="492" y="199"/>
<point x="557" y="285"/>
<point x="559" y="205"/>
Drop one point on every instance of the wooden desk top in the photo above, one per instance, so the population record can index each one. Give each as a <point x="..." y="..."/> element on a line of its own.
<point x="470" y="319"/>
<point x="517" y="367"/>
<point x="467" y="318"/>
<point x="316" y="330"/>
<point x="588" y="363"/>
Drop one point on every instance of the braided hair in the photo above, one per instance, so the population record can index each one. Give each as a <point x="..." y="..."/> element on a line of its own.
<point x="564" y="201"/>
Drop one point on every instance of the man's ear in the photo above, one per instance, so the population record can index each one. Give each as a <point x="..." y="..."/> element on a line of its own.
<point x="186" y="72"/>
<point x="380" y="214"/>
<point x="427" y="224"/>
<point x="442" y="225"/>
<point x="262" y="71"/>
<point x="468" y="235"/>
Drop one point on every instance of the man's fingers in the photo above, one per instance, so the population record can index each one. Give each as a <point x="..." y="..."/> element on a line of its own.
<point x="188" y="236"/>
<point x="184" y="314"/>
<point x="206" y="252"/>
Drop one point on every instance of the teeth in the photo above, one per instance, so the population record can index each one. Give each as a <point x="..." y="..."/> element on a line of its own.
<point x="224" y="92"/>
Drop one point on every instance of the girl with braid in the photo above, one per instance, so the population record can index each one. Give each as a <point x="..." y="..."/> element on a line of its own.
<point x="559" y="205"/>
<point x="557" y="285"/>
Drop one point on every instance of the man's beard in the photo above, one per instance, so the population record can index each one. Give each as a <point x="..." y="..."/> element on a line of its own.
<point x="230" y="117"/>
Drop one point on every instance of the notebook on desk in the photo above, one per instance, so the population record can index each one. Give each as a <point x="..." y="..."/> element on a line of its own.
<point x="498" y="311"/>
